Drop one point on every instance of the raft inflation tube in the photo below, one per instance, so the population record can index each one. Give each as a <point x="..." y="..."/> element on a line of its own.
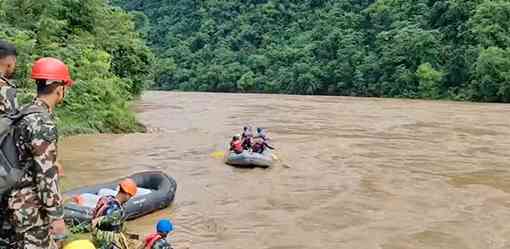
<point x="250" y="159"/>
<point x="156" y="190"/>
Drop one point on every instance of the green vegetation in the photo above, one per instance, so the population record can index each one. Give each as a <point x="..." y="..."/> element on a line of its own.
<point x="99" y="42"/>
<point x="437" y="49"/>
<point x="453" y="49"/>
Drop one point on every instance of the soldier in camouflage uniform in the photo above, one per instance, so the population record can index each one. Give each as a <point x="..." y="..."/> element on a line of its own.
<point x="108" y="218"/>
<point x="35" y="204"/>
<point x="158" y="240"/>
<point x="8" y="101"/>
<point x="8" y="104"/>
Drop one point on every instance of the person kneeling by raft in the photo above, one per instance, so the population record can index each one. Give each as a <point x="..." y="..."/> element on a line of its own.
<point x="108" y="217"/>
<point x="236" y="145"/>
<point x="158" y="240"/>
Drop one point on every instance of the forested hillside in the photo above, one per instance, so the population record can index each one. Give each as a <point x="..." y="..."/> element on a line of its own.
<point x="456" y="49"/>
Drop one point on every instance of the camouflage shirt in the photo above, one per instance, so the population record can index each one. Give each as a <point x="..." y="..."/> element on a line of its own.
<point x="8" y="102"/>
<point x="112" y="217"/>
<point x="36" y="200"/>
<point x="108" y="230"/>
<point x="161" y="244"/>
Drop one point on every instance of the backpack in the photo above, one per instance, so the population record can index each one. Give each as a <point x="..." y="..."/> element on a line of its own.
<point x="103" y="204"/>
<point x="10" y="168"/>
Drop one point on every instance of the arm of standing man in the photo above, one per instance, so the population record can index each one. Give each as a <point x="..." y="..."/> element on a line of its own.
<point x="44" y="150"/>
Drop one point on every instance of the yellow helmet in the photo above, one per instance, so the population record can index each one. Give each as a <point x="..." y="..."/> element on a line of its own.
<point x="80" y="244"/>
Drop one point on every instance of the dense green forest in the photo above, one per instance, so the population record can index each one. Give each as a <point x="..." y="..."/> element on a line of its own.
<point x="455" y="49"/>
<point x="106" y="54"/>
<point x="438" y="49"/>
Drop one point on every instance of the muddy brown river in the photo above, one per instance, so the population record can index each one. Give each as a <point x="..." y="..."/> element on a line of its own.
<point x="354" y="173"/>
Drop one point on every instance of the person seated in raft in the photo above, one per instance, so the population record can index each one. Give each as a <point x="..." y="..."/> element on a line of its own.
<point x="259" y="145"/>
<point x="236" y="145"/>
<point x="108" y="217"/>
<point x="158" y="240"/>
<point x="246" y="132"/>
<point x="247" y="137"/>
<point x="262" y="133"/>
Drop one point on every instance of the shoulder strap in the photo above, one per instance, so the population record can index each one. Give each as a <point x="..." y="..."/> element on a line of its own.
<point x="7" y="82"/>
<point x="26" y="111"/>
<point x="31" y="109"/>
<point x="101" y="206"/>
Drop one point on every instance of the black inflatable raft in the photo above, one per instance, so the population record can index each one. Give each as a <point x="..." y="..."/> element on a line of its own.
<point x="250" y="159"/>
<point x="156" y="190"/>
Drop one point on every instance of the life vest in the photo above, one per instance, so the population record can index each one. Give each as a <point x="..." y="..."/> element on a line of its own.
<point x="151" y="239"/>
<point x="258" y="147"/>
<point x="247" y="143"/>
<point x="236" y="146"/>
<point x="103" y="204"/>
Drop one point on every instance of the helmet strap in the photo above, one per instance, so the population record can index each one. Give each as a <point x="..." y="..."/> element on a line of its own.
<point x="63" y="92"/>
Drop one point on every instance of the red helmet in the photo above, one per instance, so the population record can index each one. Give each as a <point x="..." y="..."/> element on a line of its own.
<point x="51" y="69"/>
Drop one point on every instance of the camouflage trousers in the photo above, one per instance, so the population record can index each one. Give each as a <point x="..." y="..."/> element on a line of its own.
<point x="32" y="229"/>
<point x="109" y="240"/>
<point x="36" y="238"/>
<point x="7" y="233"/>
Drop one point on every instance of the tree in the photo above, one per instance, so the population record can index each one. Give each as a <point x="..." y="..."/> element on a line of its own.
<point x="490" y="23"/>
<point x="384" y="48"/>
<point x="106" y="55"/>
<point x="246" y="82"/>
<point x="429" y="81"/>
<point x="491" y="80"/>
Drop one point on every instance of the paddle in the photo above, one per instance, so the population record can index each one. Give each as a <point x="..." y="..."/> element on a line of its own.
<point x="279" y="160"/>
<point x="218" y="154"/>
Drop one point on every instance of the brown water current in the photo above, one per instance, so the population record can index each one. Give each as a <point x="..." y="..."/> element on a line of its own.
<point x="355" y="173"/>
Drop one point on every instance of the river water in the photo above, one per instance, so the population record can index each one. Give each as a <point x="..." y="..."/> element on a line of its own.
<point x="353" y="173"/>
